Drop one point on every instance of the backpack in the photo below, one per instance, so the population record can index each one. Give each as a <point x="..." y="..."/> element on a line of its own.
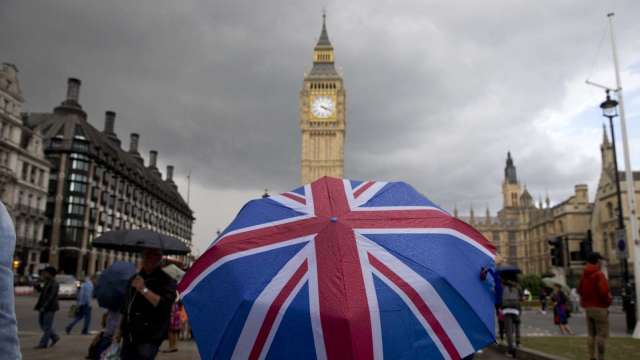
<point x="510" y="297"/>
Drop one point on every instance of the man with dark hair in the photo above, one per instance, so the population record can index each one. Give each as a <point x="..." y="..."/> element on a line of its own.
<point x="47" y="305"/>
<point x="595" y="298"/>
<point x="9" y="344"/>
<point x="147" y="309"/>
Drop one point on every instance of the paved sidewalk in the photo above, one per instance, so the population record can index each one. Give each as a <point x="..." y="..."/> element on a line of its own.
<point x="74" y="347"/>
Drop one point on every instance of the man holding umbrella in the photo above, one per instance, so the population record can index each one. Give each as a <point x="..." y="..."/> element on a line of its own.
<point x="147" y="309"/>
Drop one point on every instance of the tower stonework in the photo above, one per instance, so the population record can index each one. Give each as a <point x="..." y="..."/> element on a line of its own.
<point x="510" y="186"/>
<point x="322" y="115"/>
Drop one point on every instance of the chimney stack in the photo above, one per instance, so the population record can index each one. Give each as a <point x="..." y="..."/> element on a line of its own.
<point x="109" y="122"/>
<point x="133" y="145"/>
<point x="169" y="173"/>
<point x="73" y="89"/>
<point x="153" y="157"/>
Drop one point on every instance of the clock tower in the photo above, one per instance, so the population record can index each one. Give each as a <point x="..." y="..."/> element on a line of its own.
<point x="322" y="115"/>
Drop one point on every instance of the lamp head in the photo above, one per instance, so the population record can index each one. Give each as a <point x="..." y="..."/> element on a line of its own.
<point x="609" y="107"/>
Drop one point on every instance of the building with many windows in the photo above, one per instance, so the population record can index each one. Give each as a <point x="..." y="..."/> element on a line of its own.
<point x="24" y="171"/>
<point x="96" y="186"/>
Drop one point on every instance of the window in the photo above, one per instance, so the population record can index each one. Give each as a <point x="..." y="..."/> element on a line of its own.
<point x="77" y="187"/>
<point x="25" y="171"/>
<point x="79" y="162"/>
<point x="76" y="205"/>
<point x="94" y="193"/>
<point x="72" y="235"/>
<point x="78" y="177"/>
<point x="34" y="174"/>
<point x="97" y="174"/>
<point x="80" y="145"/>
<point x="610" y="210"/>
<point x="73" y="209"/>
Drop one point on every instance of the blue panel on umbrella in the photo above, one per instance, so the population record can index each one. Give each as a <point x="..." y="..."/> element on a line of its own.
<point x="398" y="194"/>
<point x="257" y="212"/>
<point x="403" y="336"/>
<point x="299" y="191"/>
<point x="454" y="259"/>
<point x="294" y="338"/>
<point x="230" y="292"/>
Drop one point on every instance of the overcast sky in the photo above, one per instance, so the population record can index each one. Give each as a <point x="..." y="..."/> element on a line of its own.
<point x="437" y="92"/>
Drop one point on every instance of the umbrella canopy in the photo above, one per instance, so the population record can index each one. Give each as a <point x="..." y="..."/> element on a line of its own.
<point x="112" y="285"/>
<point x="343" y="269"/>
<point x="509" y="269"/>
<point x="551" y="282"/>
<point x="174" y="271"/>
<point x="138" y="240"/>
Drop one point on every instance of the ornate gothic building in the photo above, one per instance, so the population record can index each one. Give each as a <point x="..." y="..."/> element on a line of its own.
<point x="522" y="229"/>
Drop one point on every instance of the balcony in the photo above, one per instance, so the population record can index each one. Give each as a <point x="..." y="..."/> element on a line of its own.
<point x="30" y="211"/>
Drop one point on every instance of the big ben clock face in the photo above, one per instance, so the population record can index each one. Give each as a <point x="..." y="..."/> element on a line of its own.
<point x="323" y="107"/>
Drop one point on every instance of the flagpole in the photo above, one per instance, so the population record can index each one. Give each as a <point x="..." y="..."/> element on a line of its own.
<point x="631" y="198"/>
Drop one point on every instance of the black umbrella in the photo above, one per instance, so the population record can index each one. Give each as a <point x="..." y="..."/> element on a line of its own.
<point x="138" y="240"/>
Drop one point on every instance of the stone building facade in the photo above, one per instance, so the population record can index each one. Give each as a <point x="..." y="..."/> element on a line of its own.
<point x="96" y="186"/>
<point x="322" y="115"/>
<point x="521" y="230"/>
<point x="24" y="172"/>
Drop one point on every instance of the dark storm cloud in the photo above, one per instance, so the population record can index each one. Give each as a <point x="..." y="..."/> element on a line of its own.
<point x="437" y="92"/>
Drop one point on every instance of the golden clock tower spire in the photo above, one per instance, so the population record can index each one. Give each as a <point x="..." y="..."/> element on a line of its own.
<point x="322" y="115"/>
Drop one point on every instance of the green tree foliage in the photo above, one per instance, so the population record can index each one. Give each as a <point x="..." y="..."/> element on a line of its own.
<point x="533" y="282"/>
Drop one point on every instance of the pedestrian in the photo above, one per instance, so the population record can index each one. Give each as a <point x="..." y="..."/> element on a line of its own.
<point x="147" y="309"/>
<point x="543" y="301"/>
<point x="98" y="341"/>
<point x="184" y="321"/>
<point x="174" y="327"/>
<point x="47" y="306"/>
<point x="85" y="294"/>
<point x="511" y="308"/>
<point x="595" y="298"/>
<point x="561" y="310"/>
<point x="9" y="343"/>
<point x="575" y="300"/>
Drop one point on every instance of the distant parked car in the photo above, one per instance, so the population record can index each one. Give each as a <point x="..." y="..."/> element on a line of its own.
<point x="68" y="286"/>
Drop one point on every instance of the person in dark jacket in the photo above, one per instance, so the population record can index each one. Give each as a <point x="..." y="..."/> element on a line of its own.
<point x="147" y="309"/>
<point x="47" y="305"/>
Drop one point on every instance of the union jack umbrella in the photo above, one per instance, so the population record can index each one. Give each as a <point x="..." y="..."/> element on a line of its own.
<point x="342" y="269"/>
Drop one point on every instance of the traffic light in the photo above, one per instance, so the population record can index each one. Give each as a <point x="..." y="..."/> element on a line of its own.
<point x="556" y="251"/>
<point x="586" y="246"/>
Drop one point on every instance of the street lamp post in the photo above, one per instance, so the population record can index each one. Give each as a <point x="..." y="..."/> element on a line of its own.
<point x="610" y="110"/>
